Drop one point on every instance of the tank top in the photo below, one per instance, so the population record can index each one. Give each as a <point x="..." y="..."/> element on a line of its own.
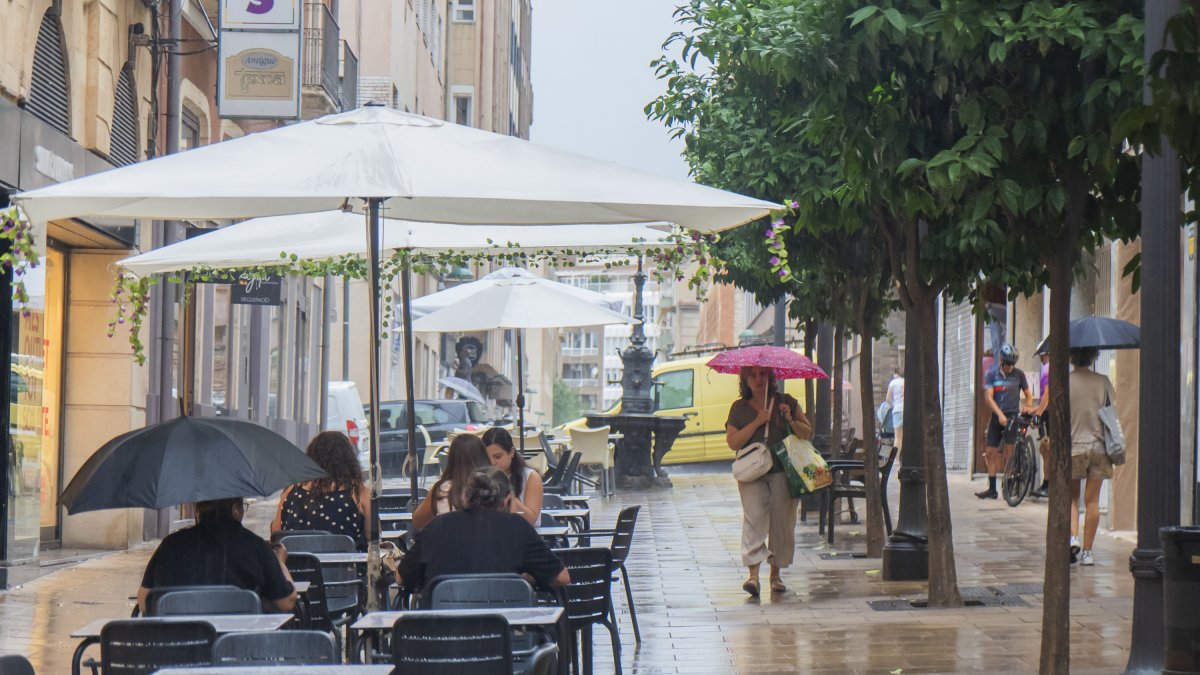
<point x="525" y="482"/>
<point x="335" y="512"/>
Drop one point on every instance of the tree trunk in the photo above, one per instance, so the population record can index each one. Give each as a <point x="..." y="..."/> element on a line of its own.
<point x="839" y="378"/>
<point x="943" y="576"/>
<point x="866" y="386"/>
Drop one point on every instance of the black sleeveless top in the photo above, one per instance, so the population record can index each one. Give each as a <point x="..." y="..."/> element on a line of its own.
<point x="334" y="512"/>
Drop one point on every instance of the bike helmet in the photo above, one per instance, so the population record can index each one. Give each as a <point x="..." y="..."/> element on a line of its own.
<point x="1009" y="355"/>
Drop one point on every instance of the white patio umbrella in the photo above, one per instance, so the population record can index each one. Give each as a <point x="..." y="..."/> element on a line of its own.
<point x="431" y="303"/>
<point x="375" y="159"/>
<point x="514" y="302"/>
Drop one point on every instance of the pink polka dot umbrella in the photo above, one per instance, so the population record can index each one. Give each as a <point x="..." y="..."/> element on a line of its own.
<point x="785" y="363"/>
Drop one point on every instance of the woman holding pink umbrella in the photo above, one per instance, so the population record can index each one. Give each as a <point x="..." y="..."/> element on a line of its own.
<point x="762" y="414"/>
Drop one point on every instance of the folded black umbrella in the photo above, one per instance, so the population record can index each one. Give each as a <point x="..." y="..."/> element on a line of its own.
<point x="187" y="459"/>
<point x="1100" y="332"/>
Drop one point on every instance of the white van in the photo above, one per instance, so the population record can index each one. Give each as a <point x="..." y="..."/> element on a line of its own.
<point x="344" y="413"/>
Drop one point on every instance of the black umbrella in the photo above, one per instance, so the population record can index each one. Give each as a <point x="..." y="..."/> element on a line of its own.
<point x="187" y="459"/>
<point x="1101" y="333"/>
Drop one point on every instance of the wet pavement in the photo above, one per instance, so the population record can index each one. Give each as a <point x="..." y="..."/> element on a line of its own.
<point x="694" y="617"/>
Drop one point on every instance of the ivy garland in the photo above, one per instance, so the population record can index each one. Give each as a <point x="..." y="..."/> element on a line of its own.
<point x="19" y="255"/>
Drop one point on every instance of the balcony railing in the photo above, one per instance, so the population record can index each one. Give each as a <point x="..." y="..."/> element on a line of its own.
<point x="322" y="42"/>
<point x="349" y="78"/>
<point x="581" y="351"/>
<point x="581" y="382"/>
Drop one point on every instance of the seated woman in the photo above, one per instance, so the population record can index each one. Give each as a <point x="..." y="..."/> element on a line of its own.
<point x="340" y="504"/>
<point x="483" y="538"/>
<point x="466" y="454"/>
<point x="526" y="483"/>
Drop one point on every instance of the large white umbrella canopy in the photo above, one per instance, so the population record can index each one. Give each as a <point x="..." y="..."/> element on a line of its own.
<point x="510" y="301"/>
<point x="321" y="236"/>
<point x="456" y="294"/>
<point x="424" y="169"/>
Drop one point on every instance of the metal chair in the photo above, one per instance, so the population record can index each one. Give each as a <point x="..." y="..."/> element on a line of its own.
<point x="595" y="450"/>
<point x="622" y="541"/>
<point x="307" y="567"/>
<point x="345" y="590"/>
<point x="844" y="472"/>
<point x="207" y="601"/>
<point x="15" y="664"/>
<point x="459" y="645"/>
<point x="156" y="593"/>
<point x="142" y="646"/>
<point x="280" y="534"/>
<point x="589" y="600"/>
<point x="275" y="648"/>
<point x="544" y="661"/>
<point x="478" y="591"/>
<point x="566" y="478"/>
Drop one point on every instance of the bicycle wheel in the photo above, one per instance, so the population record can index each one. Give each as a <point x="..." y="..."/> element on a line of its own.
<point x="1018" y="473"/>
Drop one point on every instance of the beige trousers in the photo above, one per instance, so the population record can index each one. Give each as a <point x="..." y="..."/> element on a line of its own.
<point x="768" y="521"/>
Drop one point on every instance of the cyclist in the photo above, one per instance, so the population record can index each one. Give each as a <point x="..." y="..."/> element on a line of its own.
<point x="1005" y="386"/>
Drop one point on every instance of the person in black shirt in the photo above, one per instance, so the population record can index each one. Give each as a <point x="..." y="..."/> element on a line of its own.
<point x="1005" y="387"/>
<point x="481" y="539"/>
<point x="218" y="549"/>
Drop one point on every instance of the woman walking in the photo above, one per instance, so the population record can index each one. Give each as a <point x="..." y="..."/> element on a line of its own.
<point x="1090" y="391"/>
<point x="762" y="414"/>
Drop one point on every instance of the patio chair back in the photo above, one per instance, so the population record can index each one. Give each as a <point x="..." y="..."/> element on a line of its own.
<point x="567" y="476"/>
<point x="15" y="664"/>
<point x="156" y="593"/>
<point x="623" y="534"/>
<point x="275" y="648"/>
<point x="472" y="591"/>
<point x="142" y="646"/>
<point x="306" y="567"/>
<point x="280" y="534"/>
<point x="318" y="543"/>
<point x="589" y="595"/>
<point x="342" y="581"/>
<point x="208" y="601"/>
<point x="553" y="502"/>
<point x="459" y="645"/>
<point x="592" y="445"/>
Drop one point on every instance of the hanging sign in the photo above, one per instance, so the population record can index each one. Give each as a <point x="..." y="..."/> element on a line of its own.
<point x="259" y="75"/>
<point x="260" y="14"/>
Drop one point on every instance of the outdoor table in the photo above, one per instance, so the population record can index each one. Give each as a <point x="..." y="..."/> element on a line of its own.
<point x="359" y="669"/>
<point x="369" y="626"/>
<point x="341" y="558"/>
<point x="575" y="499"/>
<point x="395" y="517"/>
<point x="582" y="515"/>
<point x="222" y="623"/>
<point x="301" y="587"/>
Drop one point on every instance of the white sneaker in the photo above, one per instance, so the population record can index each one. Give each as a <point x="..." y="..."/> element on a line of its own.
<point x="1086" y="558"/>
<point x="1075" y="548"/>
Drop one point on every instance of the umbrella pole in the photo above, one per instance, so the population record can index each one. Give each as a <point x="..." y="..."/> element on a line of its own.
<point x="373" y="563"/>
<point x="521" y="391"/>
<point x="409" y="402"/>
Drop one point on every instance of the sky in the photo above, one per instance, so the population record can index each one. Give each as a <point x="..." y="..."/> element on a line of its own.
<point x="592" y="78"/>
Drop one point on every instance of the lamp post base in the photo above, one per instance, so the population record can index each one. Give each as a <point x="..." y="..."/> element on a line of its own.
<point x="905" y="559"/>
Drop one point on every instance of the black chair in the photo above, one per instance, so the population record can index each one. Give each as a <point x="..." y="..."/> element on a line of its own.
<point x="307" y="567"/>
<point x="478" y="591"/>
<point x="207" y="601"/>
<point x="622" y="540"/>
<point x="399" y="502"/>
<point x="142" y="646"/>
<point x="848" y="483"/>
<point x="459" y="645"/>
<point x="567" y="478"/>
<point x="15" y="664"/>
<point x="275" y="648"/>
<point x="544" y="661"/>
<point x="277" y="536"/>
<point x="589" y="600"/>
<point x="345" y="589"/>
<point x="157" y="592"/>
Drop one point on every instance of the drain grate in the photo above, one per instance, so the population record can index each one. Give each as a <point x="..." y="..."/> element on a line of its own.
<point x="983" y="601"/>
<point x="1017" y="589"/>
<point x="846" y="555"/>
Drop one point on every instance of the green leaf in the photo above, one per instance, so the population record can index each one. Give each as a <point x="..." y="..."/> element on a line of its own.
<point x="895" y="18"/>
<point x="1076" y="146"/>
<point x="909" y="165"/>
<point x="862" y="14"/>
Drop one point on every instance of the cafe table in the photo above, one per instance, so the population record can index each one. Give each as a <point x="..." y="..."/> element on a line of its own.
<point x="340" y="669"/>
<point x="370" y="626"/>
<point x="222" y="623"/>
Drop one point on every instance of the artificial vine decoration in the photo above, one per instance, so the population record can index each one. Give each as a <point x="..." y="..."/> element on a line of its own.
<point x="131" y="294"/>
<point x="20" y="255"/>
<point x="775" y="238"/>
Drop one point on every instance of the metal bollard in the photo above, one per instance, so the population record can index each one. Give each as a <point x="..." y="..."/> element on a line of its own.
<point x="1181" y="595"/>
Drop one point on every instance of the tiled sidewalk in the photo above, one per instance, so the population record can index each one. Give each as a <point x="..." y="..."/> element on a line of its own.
<point x="695" y="618"/>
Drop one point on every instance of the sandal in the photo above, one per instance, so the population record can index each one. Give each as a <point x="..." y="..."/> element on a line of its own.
<point x="777" y="585"/>
<point x="751" y="587"/>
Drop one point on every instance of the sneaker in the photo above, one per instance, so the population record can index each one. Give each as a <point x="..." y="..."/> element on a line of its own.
<point x="1075" y="548"/>
<point x="1041" y="492"/>
<point x="987" y="494"/>
<point x="1086" y="559"/>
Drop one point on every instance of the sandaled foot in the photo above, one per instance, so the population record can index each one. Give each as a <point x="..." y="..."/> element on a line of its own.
<point x="777" y="585"/>
<point x="751" y="587"/>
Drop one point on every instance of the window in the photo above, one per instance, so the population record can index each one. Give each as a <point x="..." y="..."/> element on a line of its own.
<point x="675" y="390"/>
<point x="464" y="11"/>
<point x="462" y="109"/>
<point x="189" y="130"/>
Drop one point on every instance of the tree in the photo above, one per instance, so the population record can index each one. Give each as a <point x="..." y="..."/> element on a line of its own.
<point x="566" y="403"/>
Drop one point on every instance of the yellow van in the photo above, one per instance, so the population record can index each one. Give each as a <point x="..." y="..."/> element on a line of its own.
<point x="689" y="388"/>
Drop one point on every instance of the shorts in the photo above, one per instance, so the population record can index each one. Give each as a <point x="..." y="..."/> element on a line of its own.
<point x="1088" y="460"/>
<point x="995" y="432"/>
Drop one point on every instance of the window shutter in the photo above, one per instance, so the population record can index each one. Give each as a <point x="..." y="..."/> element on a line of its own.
<point x="124" y="126"/>
<point x="48" y="98"/>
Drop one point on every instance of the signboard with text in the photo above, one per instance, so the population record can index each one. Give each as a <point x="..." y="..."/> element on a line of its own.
<point x="259" y="75"/>
<point x="260" y="15"/>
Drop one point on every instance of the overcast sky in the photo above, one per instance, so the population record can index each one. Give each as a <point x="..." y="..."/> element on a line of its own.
<point x="592" y="77"/>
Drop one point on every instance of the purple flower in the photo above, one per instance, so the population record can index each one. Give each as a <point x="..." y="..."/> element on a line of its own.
<point x="783" y="273"/>
<point x="778" y="222"/>
<point x="795" y="204"/>
<point x="774" y="260"/>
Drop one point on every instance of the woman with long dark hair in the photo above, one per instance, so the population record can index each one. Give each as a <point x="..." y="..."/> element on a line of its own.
<point x="339" y="504"/>
<point x="762" y="414"/>
<point x="466" y="454"/>
<point x="526" y="483"/>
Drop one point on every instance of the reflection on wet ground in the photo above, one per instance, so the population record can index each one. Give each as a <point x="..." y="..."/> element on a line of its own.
<point x="695" y="618"/>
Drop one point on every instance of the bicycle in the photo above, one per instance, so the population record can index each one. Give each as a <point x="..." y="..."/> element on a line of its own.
<point x="1020" y="471"/>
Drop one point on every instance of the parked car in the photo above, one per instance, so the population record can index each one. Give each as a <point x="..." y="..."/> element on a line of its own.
<point x="437" y="416"/>
<point x="344" y="413"/>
